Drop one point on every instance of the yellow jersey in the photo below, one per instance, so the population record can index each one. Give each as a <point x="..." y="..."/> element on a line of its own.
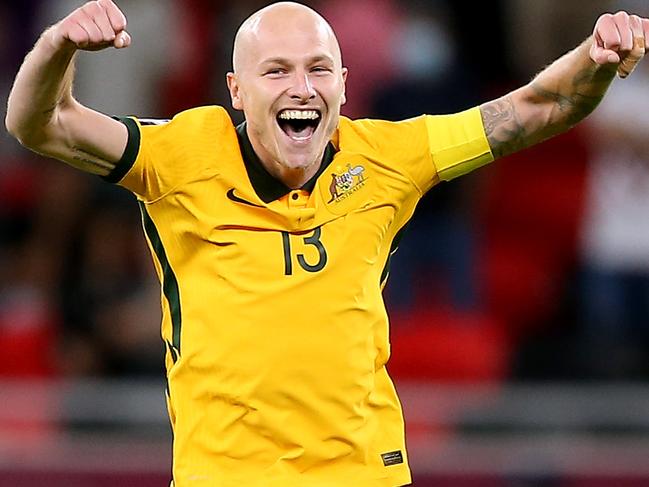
<point x="276" y="331"/>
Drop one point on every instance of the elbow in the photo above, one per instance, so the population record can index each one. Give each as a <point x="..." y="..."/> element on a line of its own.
<point x="14" y="128"/>
<point x="28" y="137"/>
<point x="11" y="126"/>
<point x="12" y="119"/>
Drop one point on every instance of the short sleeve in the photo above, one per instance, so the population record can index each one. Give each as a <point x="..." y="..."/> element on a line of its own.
<point x="429" y="148"/>
<point x="135" y="170"/>
<point x="162" y="155"/>
<point x="458" y="143"/>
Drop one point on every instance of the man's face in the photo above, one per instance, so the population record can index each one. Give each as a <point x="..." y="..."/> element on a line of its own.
<point x="290" y="84"/>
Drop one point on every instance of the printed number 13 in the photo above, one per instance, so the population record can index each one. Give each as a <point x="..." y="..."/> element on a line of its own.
<point x="314" y="240"/>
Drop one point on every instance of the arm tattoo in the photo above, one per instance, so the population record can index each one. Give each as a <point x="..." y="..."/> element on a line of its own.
<point x="49" y="111"/>
<point x="545" y="108"/>
<point x="91" y="163"/>
<point x="587" y="90"/>
<point x="505" y="132"/>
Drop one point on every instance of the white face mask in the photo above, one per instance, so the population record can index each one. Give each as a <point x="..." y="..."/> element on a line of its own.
<point x="424" y="49"/>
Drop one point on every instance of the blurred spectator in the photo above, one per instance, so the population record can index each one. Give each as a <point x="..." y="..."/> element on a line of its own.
<point x="28" y="315"/>
<point x="111" y="299"/>
<point x="615" y="285"/>
<point x="189" y="78"/>
<point x="77" y="292"/>
<point x="32" y="265"/>
<point x="435" y="261"/>
<point x="602" y="330"/>
<point x="366" y="30"/>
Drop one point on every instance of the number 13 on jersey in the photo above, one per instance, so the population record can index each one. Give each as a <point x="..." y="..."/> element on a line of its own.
<point x="311" y="240"/>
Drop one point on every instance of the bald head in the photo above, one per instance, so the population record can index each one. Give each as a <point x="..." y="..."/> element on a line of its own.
<point x="276" y="20"/>
<point x="286" y="59"/>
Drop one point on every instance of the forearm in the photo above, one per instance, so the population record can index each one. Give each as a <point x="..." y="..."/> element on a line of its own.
<point x="569" y="90"/>
<point x="41" y="112"/>
<point x="560" y="96"/>
<point x="42" y="85"/>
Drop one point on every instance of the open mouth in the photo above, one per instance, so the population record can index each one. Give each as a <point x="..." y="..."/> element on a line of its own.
<point x="299" y="125"/>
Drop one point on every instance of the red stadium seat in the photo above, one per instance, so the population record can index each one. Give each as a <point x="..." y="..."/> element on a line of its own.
<point x="446" y="346"/>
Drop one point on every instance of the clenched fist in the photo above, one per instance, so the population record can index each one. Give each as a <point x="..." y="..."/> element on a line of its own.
<point x="620" y="39"/>
<point x="92" y="27"/>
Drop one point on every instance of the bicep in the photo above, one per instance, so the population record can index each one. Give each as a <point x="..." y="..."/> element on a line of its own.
<point x="85" y="139"/>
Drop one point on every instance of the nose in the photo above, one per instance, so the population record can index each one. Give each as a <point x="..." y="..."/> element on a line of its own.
<point x="301" y="88"/>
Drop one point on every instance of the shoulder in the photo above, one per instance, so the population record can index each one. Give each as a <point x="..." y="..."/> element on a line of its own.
<point x="192" y="120"/>
<point x="162" y="154"/>
<point x="373" y="130"/>
<point x="196" y="129"/>
<point x="403" y="139"/>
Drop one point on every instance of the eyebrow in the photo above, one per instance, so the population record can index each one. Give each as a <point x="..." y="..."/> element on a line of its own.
<point x="284" y="61"/>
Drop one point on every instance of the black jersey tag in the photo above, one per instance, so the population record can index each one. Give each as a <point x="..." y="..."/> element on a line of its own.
<point x="392" y="458"/>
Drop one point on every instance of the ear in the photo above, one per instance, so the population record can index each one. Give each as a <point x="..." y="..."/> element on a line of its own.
<point x="235" y="93"/>
<point x="343" y="98"/>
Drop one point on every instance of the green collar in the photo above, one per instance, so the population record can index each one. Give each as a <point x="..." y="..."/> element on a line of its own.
<point x="266" y="186"/>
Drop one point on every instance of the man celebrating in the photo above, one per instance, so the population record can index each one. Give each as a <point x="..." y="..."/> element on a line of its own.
<point x="272" y="239"/>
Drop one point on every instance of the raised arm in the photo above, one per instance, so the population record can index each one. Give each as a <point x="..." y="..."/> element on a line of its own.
<point x="41" y="112"/>
<point x="567" y="90"/>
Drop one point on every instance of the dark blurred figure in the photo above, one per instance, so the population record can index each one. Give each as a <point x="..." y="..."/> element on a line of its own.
<point x="110" y="296"/>
<point x="436" y="261"/>
<point x="29" y="317"/>
<point x="615" y="282"/>
<point x="80" y="298"/>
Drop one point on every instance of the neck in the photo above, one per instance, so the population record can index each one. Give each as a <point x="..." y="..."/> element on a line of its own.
<point x="291" y="177"/>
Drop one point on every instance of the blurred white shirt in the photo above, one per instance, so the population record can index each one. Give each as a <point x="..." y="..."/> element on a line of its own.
<point x="615" y="232"/>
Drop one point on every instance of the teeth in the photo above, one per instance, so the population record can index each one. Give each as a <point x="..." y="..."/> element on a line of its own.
<point x="299" y="115"/>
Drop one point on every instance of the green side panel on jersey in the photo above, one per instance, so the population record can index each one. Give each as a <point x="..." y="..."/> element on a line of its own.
<point x="393" y="249"/>
<point x="169" y="281"/>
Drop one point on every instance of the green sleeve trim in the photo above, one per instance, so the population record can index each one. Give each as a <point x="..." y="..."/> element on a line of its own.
<point x="127" y="160"/>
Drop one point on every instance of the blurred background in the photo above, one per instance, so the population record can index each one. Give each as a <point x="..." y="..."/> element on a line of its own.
<point x="519" y="297"/>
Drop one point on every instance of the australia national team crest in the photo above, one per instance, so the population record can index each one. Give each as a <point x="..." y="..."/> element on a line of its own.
<point x="346" y="181"/>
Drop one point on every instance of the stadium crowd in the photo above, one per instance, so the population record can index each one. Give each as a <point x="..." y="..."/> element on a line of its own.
<point x="516" y="272"/>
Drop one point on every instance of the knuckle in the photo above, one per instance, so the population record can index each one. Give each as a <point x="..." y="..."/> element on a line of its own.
<point x="612" y="38"/>
<point x="100" y="8"/>
<point x="119" y="24"/>
<point x="92" y="9"/>
<point x="604" y="19"/>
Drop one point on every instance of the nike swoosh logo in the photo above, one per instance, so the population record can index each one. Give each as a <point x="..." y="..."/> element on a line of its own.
<point x="231" y="196"/>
